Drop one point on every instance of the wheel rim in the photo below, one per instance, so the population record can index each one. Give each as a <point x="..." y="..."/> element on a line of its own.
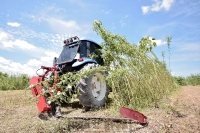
<point x="98" y="86"/>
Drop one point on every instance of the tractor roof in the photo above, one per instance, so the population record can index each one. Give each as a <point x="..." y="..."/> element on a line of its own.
<point x="75" y="39"/>
<point x="92" y="42"/>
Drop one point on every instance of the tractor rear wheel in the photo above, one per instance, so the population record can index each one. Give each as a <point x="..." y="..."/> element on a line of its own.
<point x="93" y="89"/>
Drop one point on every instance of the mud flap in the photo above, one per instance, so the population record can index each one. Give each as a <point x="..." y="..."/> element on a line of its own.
<point x="36" y="90"/>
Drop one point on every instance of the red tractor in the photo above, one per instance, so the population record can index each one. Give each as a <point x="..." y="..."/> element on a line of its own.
<point x="74" y="57"/>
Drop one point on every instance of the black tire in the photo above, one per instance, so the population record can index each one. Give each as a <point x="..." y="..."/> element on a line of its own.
<point x="89" y="96"/>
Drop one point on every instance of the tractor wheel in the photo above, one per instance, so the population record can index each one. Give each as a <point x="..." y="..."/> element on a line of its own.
<point x="93" y="90"/>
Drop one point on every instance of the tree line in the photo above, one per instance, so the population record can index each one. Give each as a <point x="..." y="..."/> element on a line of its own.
<point x="13" y="81"/>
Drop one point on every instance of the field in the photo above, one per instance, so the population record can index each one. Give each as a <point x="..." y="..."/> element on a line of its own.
<point x="179" y="113"/>
<point x="146" y="86"/>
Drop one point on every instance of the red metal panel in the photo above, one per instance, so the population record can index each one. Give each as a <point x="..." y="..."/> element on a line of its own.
<point x="133" y="114"/>
<point x="36" y="90"/>
<point x="42" y="105"/>
<point x="34" y="80"/>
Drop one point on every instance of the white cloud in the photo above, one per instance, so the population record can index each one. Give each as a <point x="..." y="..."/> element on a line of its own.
<point x="190" y="47"/>
<point x="4" y="61"/>
<point x="10" y="66"/>
<point x="159" y="28"/>
<point x="8" y="42"/>
<point x="185" y="8"/>
<point x="107" y="12"/>
<point x="3" y="36"/>
<point x="166" y="4"/>
<point x="186" y="57"/>
<point x="45" y="60"/>
<point x="51" y="54"/>
<point x="157" y="6"/>
<point x="160" y="42"/>
<point x="61" y="26"/>
<point x="20" y="44"/>
<point x="48" y="59"/>
<point x="34" y="62"/>
<point x="69" y="28"/>
<point x="65" y="24"/>
<point x="122" y="23"/>
<point x="123" y="20"/>
<point x="41" y="56"/>
<point x="13" y="24"/>
<point x="58" y="24"/>
<point x="145" y="9"/>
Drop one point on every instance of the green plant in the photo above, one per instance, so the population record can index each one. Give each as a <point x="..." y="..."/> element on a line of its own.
<point x="137" y="78"/>
<point x="180" y="80"/>
<point x="13" y="81"/>
<point x="169" y="38"/>
<point x="193" y="79"/>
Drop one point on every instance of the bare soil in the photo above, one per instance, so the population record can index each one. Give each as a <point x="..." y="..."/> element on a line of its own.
<point x="180" y="113"/>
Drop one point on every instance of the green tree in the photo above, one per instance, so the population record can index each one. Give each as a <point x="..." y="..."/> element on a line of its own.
<point x="138" y="79"/>
<point x="13" y="82"/>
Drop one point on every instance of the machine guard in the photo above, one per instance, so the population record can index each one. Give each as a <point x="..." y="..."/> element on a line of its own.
<point x="36" y="90"/>
<point x="133" y="114"/>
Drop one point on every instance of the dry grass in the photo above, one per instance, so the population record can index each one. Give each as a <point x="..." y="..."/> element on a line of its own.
<point x="179" y="113"/>
<point x="18" y="113"/>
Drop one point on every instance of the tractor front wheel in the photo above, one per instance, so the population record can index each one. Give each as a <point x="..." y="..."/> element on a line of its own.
<point x="93" y="89"/>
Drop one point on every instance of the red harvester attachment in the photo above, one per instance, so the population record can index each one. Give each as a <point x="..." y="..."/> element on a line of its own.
<point x="37" y="89"/>
<point x="133" y="114"/>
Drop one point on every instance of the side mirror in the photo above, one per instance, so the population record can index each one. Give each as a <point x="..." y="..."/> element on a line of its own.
<point x="55" y="60"/>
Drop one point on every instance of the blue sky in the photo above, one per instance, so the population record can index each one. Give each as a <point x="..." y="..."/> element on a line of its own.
<point x="32" y="32"/>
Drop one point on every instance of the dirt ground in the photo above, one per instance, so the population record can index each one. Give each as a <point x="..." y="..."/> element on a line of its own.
<point x="180" y="113"/>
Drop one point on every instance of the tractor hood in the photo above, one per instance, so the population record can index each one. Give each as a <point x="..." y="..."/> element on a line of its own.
<point x="68" y="53"/>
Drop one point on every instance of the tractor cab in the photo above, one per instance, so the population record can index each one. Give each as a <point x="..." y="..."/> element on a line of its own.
<point x="75" y="56"/>
<point x="76" y="52"/>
